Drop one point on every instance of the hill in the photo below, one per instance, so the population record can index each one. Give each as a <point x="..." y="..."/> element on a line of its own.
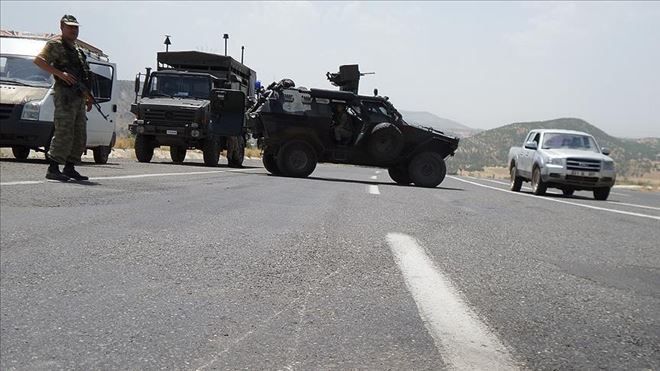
<point x="633" y="157"/>
<point x="429" y="119"/>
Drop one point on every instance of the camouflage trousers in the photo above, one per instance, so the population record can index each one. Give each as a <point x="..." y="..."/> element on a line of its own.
<point x="70" y="121"/>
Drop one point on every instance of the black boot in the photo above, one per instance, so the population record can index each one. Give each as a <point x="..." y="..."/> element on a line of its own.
<point x="54" y="173"/>
<point x="72" y="173"/>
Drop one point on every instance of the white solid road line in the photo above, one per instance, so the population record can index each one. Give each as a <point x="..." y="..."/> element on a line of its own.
<point x="634" y="205"/>
<point x="138" y="176"/>
<point x="464" y="342"/>
<point x="373" y="189"/>
<point x="555" y="200"/>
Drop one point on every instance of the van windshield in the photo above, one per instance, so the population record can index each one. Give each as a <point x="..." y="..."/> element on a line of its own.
<point x="21" y="70"/>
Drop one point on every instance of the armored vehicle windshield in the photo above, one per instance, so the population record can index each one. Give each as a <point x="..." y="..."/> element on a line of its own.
<point x="180" y="85"/>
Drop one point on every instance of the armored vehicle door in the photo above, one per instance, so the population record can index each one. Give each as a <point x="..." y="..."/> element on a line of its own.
<point x="227" y="112"/>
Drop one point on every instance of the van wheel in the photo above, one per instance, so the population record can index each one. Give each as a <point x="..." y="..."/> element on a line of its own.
<point x="270" y="163"/>
<point x="144" y="149"/>
<point x="516" y="181"/>
<point x="296" y="159"/>
<point x="385" y="142"/>
<point x="427" y="169"/>
<point x="601" y="194"/>
<point x="20" y="152"/>
<point x="101" y="154"/>
<point x="399" y="174"/>
<point x="178" y="154"/>
<point x="211" y="150"/>
<point x="538" y="186"/>
<point x="235" y="151"/>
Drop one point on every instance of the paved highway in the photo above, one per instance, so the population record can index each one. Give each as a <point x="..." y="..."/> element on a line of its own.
<point x="158" y="265"/>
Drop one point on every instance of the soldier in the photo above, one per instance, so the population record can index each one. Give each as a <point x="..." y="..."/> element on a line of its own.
<point x="343" y="125"/>
<point x="64" y="60"/>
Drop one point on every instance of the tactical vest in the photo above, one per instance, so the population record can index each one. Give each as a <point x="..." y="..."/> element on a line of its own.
<point x="74" y="61"/>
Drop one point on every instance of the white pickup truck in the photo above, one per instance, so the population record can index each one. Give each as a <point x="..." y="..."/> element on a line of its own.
<point x="564" y="159"/>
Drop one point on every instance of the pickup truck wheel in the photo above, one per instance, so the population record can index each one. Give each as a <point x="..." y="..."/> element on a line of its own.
<point x="399" y="174"/>
<point x="101" y="154"/>
<point x="270" y="163"/>
<point x="211" y="151"/>
<point x="568" y="191"/>
<point x="601" y="194"/>
<point x="516" y="181"/>
<point x="538" y="186"/>
<point x="144" y="149"/>
<point x="296" y="159"/>
<point x="235" y="151"/>
<point x="178" y="154"/>
<point x="20" y="152"/>
<point x="427" y="169"/>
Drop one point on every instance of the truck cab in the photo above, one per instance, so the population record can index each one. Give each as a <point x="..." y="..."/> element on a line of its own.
<point x="26" y="99"/>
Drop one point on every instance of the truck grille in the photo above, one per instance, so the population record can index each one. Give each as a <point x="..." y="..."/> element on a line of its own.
<point x="165" y="117"/>
<point x="6" y="111"/>
<point x="582" y="164"/>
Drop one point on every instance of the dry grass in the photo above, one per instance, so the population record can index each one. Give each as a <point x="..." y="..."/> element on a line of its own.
<point x="125" y="142"/>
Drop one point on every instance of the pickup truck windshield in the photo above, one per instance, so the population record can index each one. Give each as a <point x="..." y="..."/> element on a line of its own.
<point x="180" y="86"/>
<point x="571" y="141"/>
<point x="21" y="70"/>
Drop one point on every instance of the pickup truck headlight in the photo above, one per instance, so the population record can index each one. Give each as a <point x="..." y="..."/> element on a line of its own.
<point x="31" y="111"/>
<point x="608" y="165"/>
<point x="556" y="161"/>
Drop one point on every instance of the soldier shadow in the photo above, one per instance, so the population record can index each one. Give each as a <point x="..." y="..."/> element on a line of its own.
<point x="40" y="161"/>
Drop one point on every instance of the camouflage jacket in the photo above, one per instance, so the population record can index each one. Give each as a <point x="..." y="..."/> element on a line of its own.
<point x="67" y="58"/>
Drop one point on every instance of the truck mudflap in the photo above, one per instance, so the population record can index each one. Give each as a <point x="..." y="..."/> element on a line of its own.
<point x="227" y="116"/>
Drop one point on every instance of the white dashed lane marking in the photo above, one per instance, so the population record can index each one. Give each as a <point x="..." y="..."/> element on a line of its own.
<point x="373" y="189"/>
<point x="463" y="341"/>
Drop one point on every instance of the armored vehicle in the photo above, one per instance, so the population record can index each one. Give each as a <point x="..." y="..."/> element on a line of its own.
<point x="298" y="127"/>
<point x="194" y="100"/>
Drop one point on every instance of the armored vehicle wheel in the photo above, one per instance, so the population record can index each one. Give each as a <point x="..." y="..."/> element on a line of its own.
<point x="101" y="154"/>
<point x="235" y="151"/>
<point x="144" y="149"/>
<point x="20" y="152"/>
<point x="399" y="174"/>
<point x="270" y="163"/>
<point x="211" y="150"/>
<point x="427" y="169"/>
<point x="178" y="154"/>
<point x="385" y="142"/>
<point x="568" y="191"/>
<point x="516" y="181"/>
<point x="601" y="194"/>
<point x="538" y="186"/>
<point x="296" y="159"/>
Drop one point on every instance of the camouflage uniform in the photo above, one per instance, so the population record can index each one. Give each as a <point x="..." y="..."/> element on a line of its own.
<point x="343" y="127"/>
<point x="70" y="120"/>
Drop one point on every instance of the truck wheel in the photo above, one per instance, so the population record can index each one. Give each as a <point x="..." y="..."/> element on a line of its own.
<point x="296" y="159"/>
<point x="101" y="154"/>
<point x="385" y="142"/>
<point x="399" y="174"/>
<point x="144" y="149"/>
<point x="601" y="194"/>
<point x="270" y="163"/>
<point x="427" y="169"/>
<point x="20" y="152"/>
<point x="211" y="150"/>
<point x="568" y="192"/>
<point x="235" y="151"/>
<point x="516" y="181"/>
<point x="538" y="186"/>
<point x="178" y="154"/>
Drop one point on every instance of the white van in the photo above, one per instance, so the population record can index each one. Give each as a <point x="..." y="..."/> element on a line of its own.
<point x="26" y="97"/>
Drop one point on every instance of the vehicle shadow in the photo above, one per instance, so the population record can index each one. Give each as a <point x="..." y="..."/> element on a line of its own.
<point x="201" y="165"/>
<point x="561" y="196"/>
<point x="370" y="182"/>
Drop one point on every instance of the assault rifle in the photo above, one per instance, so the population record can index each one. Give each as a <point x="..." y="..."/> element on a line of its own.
<point x="79" y="86"/>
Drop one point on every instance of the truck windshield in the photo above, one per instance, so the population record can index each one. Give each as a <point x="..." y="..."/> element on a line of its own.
<point x="571" y="141"/>
<point x="21" y="70"/>
<point x="180" y="86"/>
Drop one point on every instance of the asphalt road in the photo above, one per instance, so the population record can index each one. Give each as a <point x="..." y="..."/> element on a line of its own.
<point x="152" y="266"/>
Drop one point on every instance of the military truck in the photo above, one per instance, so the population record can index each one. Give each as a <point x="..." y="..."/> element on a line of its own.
<point x="194" y="100"/>
<point x="295" y="127"/>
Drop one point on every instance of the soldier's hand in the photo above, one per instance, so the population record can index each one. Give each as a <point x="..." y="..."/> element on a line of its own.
<point x="89" y="104"/>
<point x="69" y="79"/>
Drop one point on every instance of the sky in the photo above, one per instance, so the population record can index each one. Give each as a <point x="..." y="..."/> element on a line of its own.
<point x="483" y="64"/>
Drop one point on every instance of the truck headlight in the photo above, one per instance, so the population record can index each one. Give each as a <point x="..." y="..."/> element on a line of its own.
<point x="31" y="111"/>
<point x="608" y="165"/>
<point x="556" y="161"/>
